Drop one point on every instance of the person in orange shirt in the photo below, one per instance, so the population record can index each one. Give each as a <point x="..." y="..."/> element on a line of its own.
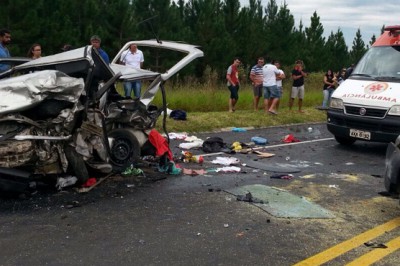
<point x="232" y="76"/>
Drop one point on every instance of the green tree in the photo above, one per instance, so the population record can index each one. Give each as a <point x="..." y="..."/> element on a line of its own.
<point x="358" y="49"/>
<point x="281" y="38"/>
<point x="373" y="40"/>
<point x="337" y="56"/>
<point x="252" y="39"/>
<point x="315" y="55"/>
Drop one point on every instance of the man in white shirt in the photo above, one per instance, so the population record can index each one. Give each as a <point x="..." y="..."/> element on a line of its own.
<point x="134" y="58"/>
<point x="271" y="91"/>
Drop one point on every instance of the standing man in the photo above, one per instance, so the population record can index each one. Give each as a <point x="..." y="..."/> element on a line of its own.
<point x="95" y="41"/>
<point x="271" y="91"/>
<point x="5" y="39"/>
<point x="134" y="58"/>
<point x="256" y="76"/>
<point x="298" y="85"/>
<point x="232" y="76"/>
<point x="279" y="79"/>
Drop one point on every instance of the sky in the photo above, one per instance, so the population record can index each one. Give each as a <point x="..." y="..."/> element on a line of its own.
<point x="368" y="15"/>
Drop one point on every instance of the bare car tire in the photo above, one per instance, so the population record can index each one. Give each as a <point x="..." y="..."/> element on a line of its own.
<point x="125" y="148"/>
<point x="345" y="140"/>
<point x="76" y="164"/>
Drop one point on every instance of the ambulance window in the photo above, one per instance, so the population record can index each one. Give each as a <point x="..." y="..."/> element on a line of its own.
<point x="380" y="61"/>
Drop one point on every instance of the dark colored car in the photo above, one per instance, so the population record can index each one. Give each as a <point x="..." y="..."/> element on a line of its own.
<point x="392" y="169"/>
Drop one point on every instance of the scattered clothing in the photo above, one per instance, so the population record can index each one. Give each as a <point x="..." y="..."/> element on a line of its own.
<point x="228" y="169"/>
<point x="290" y="138"/>
<point x="178" y="115"/>
<point x="160" y="143"/>
<point x="173" y="135"/>
<point x="194" y="172"/>
<point x="226" y="160"/>
<point x="191" y="145"/>
<point x="90" y="182"/>
<point x="213" y="144"/>
<point x="170" y="168"/>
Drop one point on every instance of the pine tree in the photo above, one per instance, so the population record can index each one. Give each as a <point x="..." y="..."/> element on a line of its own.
<point x="358" y="49"/>
<point x="315" y="55"/>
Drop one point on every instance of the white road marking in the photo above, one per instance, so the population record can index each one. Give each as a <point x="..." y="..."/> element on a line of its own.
<point x="274" y="146"/>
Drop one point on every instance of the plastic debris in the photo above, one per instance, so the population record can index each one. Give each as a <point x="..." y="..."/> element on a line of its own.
<point x="188" y="157"/>
<point x="72" y="204"/>
<point x="248" y="198"/>
<point x="238" y="129"/>
<point x="282" y="176"/>
<point x="259" y="140"/>
<point x="63" y="182"/>
<point x="236" y="146"/>
<point x="375" y="245"/>
<point x="132" y="171"/>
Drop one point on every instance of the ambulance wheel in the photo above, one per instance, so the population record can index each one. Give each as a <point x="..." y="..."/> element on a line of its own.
<point x="345" y="140"/>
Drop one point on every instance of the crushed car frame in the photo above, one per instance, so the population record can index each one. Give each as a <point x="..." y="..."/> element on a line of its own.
<point x="61" y="114"/>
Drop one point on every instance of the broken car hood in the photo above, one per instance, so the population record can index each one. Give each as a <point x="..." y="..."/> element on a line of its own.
<point x="22" y="92"/>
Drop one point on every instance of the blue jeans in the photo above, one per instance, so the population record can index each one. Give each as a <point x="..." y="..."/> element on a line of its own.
<point x="135" y="85"/>
<point x="327" y="97"/>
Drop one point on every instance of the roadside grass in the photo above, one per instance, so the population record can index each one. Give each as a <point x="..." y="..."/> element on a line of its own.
<point x="214" y="121"/>
<point x="206" y="106"/>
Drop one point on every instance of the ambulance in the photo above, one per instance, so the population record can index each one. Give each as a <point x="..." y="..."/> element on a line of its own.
<point x="366" y="106"/>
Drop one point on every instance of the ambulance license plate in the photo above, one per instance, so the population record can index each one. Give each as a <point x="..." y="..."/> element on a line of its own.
<point x="360" y="134"/>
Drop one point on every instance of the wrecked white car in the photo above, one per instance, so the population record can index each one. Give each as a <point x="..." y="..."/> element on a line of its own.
<point x="61" y="114"/>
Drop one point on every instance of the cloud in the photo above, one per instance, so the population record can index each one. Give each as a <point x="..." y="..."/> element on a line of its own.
<point x="368" y="16"/>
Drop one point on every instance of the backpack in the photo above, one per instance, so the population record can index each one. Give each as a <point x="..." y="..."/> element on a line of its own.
<point x="178" y="115"/>
<point x="213" y="144"/>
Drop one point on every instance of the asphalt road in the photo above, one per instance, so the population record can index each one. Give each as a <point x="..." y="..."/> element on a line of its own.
<point x="191" y="220"/>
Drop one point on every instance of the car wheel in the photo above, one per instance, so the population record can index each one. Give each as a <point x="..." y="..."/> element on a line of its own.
<point x="345" y="140"/>
<point x="76" y="164"/>
<point x="125" y="149"/>
<point x="391" y="187"/>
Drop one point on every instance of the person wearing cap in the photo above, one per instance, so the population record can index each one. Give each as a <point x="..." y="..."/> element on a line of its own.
<point x="134" y="58"/>
<point x="95" y="41"/>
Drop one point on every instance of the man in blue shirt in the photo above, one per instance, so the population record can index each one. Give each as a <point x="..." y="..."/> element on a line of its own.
<point x="5" y="39"/>
<point x="95" y="42"/>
